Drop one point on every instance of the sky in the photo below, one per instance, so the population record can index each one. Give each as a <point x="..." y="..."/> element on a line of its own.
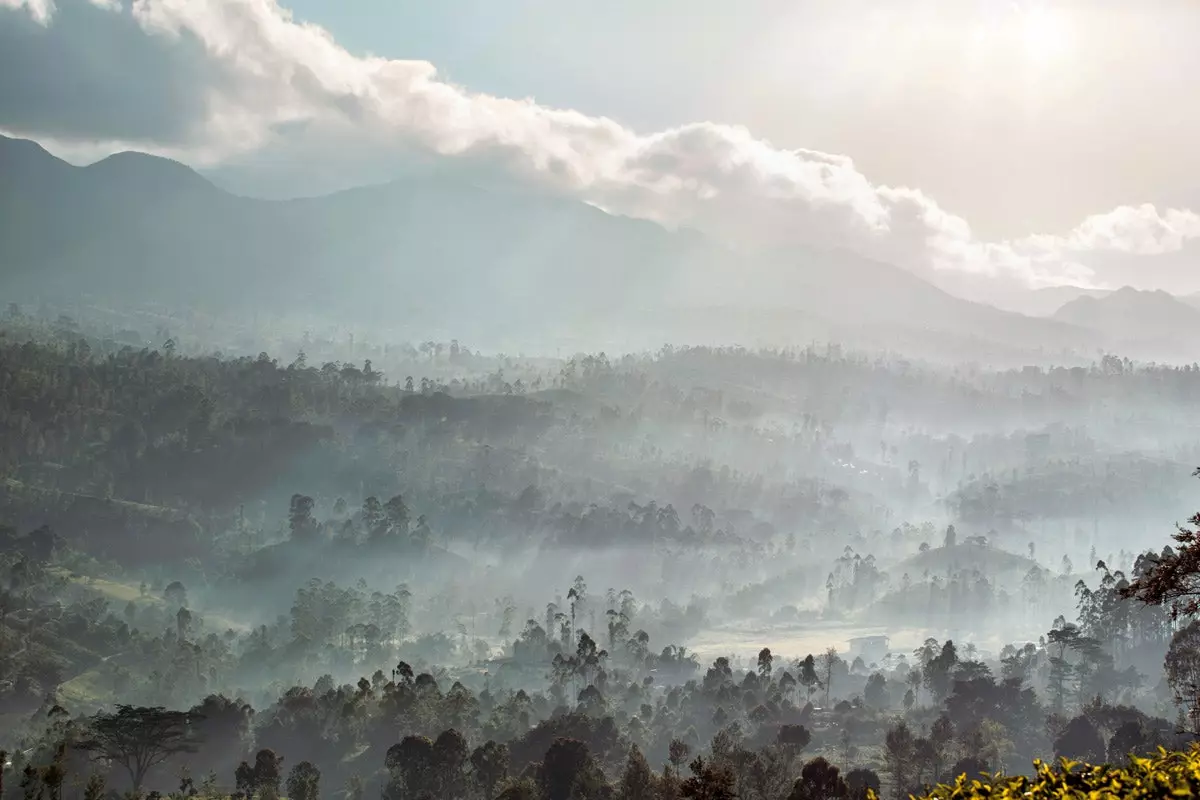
<point x="988" y="145"/>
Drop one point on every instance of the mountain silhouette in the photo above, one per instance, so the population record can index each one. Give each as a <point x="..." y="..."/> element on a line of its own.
<point x="432" y="248"/>
<point x="1132" y="316"/>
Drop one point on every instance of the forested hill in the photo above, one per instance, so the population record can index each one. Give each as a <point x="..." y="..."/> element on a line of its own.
<point x="474" y="575"/>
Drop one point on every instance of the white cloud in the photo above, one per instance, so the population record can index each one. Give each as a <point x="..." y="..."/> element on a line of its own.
<point x="1134" y="230"/>
<point x="717" y="178"/>
<point x="40" y="10"/>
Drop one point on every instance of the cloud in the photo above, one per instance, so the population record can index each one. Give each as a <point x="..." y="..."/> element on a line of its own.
<point x="39" y="10"/>
<point x="213" y="80"/>
<point x="1134" y="230"/>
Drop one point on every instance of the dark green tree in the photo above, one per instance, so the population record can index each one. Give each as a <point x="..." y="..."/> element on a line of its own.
<point x="304" y="782"/>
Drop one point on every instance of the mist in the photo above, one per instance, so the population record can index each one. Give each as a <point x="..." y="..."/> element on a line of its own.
<point x="364" y="434"/>
<point x="594" y="532"/>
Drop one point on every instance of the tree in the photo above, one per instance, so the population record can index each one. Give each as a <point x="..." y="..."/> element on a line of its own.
<point x="568" y="771"/>
<point x="899" y="753"/>
<point x="304" y="782"/>
<point x="410" y="763"/>
<point x="708" y="782"/>
<point x="819" y="780"/>
<point x="300" y="518"/>
<point x="765" y="660"/>
<point x="1080" y="741"/>
<point x="93" y="789"/>
<point x="175" y="594"/>
<point x="809" y="678"/>
<point x="951" y="538"/>
<point x="268" y="771"/>
<point x="139" y="738"/>
<point x="939" y="671"/>
<point x="243" y="778"/>
<point x="828" y="661"/>
<point x="861" y="783"/>
<point x="941" y="733"/>
<point x="875" y="693"/>
<point x="489" y="762"/>
<point x="1129" y="739"/>
<point x="31" y="784"/>
<point x="677" y="753"/>
<point x="183" y="622"/>
<point x="637" y="782"/>
<point x="396" y="513"/>
<point x="519" y="789"/>
<point x="792" y="739"/>
<point x="1172" y="578"/>
<point x="1183" y="672"/>
<point x="449" y="758"/>
<point x="973" y="768"/>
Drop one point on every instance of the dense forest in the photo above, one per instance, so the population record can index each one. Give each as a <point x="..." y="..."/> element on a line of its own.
<point x="427" y="571"/>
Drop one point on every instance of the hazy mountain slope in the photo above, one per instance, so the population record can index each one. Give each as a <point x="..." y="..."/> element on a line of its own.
<point x="1044" y="302"/>
<point x="1130" y="315"/>
<point x="438" y="249"/>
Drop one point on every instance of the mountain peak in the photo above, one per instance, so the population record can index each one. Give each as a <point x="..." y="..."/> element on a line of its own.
<point x="1133" y="314"/>
<point x="26" y="161"/>
<point x="145" y="172"/>
<point x="26" y="148"/>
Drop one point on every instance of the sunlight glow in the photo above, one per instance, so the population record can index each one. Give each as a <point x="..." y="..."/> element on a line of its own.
<point x="1046" y="35"/>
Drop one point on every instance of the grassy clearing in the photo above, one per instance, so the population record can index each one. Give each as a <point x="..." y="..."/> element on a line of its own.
<point x="85" y="692"/>
<point x="115" y="590"/>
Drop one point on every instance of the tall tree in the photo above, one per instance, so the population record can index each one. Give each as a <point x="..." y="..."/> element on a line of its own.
<point x="139" y="738"/>
<point x="300" y="518"/>
<point x="765" y="663"/>
<point x="637" y="782"/>
<point x="829" y="661"/>
<point x="899" y="753"/>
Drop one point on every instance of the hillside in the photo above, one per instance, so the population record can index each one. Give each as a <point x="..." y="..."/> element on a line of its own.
<point x="1045" y="301"/>
<point x="137" y="228"/>
<point x="964" y="557"/>
<point x="1134" y="317"/>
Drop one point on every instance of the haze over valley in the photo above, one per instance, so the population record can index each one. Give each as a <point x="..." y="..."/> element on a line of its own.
<point x="367" y="431"/>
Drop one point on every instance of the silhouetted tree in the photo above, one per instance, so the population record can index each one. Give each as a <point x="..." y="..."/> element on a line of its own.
<point x="139" y="738"/>
<point x="819" y="780"/>
<point x="1080" y="741"/>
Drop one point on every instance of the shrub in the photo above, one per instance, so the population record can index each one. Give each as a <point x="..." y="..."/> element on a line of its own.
<point x="1175" y="774"/>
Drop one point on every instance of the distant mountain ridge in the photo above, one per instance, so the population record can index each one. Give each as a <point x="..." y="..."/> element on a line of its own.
<point x="1048" y="300"/>
<point x="1134" y="316"/>
<point x="437" y="249"/>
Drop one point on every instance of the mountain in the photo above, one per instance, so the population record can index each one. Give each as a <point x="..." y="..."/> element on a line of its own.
<point x="1044" y="302"/>
<point x="1144" y="320"/>
<point x="436" y="252"/>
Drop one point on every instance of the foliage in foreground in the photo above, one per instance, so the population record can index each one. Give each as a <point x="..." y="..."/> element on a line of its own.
<point x="1175" y="774"/>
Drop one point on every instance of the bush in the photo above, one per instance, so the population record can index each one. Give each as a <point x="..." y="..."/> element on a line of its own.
<point x="1164" y="775"/>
